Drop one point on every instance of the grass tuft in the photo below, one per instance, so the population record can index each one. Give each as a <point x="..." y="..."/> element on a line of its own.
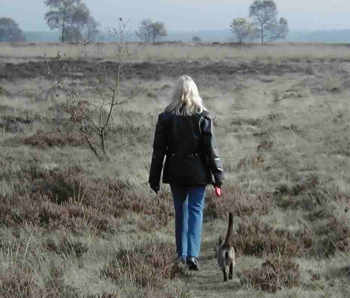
<point x="257" y="239"/>
<point x="238" y="202"/>
<point x="149" y="266"/>
<point x="44" y="140"/>
<point x="274" y="274"/>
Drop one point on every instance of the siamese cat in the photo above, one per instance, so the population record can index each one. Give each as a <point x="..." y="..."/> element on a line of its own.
<point x="225" y="252"/>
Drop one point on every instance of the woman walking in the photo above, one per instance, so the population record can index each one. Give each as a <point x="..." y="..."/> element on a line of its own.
<point x="184" y="134"/>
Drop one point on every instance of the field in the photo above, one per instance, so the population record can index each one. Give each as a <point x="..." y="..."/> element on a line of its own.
<point x="72" y="225"/>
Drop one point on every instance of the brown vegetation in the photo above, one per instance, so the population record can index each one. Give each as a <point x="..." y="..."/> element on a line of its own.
<point x="281" y="124"/>
<point x="148" y="266"/>
<point x="70" y="200"/>
<point x="237" y="202"/>
<point x="45" y="140"/>
<point x="274" y="274"/>
<point x="258" y="239"/>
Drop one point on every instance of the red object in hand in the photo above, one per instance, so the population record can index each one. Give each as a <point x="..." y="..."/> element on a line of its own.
<point x="218" y="191"/>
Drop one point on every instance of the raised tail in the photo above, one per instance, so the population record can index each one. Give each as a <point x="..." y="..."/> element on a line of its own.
<point x="228" y="238"/>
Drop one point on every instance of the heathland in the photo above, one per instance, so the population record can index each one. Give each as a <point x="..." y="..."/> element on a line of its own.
<point x="72" y="225"/>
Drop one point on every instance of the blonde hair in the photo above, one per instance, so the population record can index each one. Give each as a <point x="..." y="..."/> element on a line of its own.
<point x="186" y="100"/>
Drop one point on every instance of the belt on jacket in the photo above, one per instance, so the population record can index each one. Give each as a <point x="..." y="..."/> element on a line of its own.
<point x="194" y="154"/>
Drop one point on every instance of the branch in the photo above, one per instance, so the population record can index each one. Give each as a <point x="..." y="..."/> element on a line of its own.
<point x="91" y="146"/>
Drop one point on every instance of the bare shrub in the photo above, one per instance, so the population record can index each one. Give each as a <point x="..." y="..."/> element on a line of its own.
<point x="18" y="282"/>
<point x="94" y="126"/>
<point x="149" y="266"/>
<point x="67" y="246"/>
<point x="334" y="236"/>
<point x="307" y="194"/>
<point x="274" y="274"/>
<point x="238" y="202"/>
<point x="69" y="199"/>
<point x="44" y="140"/>
<point x="254" y="161"/>
<point x="298" y="188"/>
<point x="40" y="211"/>
<point x="61" y="186"/>
<point x="258" y="239"/>
<point x="55" y="286"/>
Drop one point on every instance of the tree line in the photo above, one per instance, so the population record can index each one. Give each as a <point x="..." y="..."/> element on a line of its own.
<point x="75" y="23"/>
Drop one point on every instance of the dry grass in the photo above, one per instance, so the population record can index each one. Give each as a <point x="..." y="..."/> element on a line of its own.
<point x="257" y="239"/>
<point x="148" y="266"/>
<point x="45" y="140"/>
<point x="274" y="274"/>
<point x="241" y="204"/>
<point x="73" y="226"/>
<point x="173" y="52"/>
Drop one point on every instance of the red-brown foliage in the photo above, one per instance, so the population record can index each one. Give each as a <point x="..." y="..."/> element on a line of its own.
<point x="18" y="283"/>
<point x="258" y="239"/>
<point x="69" y="199"/>
<point x="66" y="246"/>
<point x="334" y="236"/>
<point x="237" y="202"/>
<point x="45" y="140"/>
<point x="274" y="274"/>
<point x="148" y="266"/>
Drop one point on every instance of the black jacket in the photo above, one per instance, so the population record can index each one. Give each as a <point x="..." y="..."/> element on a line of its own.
<point x="188" y="142"/>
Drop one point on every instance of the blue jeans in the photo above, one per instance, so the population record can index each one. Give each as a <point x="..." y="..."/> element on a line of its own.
<point x="189" y="204"/>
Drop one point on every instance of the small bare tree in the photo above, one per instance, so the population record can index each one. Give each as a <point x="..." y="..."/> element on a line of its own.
<point x="94" y="120"/>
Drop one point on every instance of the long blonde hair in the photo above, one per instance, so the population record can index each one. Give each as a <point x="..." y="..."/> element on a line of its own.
<point x="186" y="100"/>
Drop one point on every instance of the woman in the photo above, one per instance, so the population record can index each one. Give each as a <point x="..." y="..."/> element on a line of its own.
<point x="185" y="135"/>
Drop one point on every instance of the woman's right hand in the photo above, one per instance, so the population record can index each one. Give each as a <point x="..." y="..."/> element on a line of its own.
<point x="218" y="191"/>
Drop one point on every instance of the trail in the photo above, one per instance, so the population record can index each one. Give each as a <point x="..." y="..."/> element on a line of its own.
<point x="208" y="282"/>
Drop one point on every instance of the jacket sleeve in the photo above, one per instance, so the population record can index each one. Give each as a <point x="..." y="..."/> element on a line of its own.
<point x="159" y="150"/>
<point x="211" y="152"/>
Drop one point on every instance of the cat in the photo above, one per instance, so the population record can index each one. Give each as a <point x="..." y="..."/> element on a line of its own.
<point x="225" y="252"/>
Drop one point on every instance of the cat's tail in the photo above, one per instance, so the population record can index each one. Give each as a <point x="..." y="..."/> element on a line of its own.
<point x="228" y="239"/>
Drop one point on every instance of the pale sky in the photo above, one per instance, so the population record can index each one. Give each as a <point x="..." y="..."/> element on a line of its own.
<point x="189" y="14"/>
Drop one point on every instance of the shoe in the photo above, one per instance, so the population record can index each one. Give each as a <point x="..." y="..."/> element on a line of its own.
<point x="193" y="263"/>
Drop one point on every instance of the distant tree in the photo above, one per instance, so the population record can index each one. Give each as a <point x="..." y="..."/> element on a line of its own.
<point x="279" y="30"/>
<point x="150" y="31"/>
<point x="91" y="29"/>
<point x="71" y="17"/>
<point x="10" y="31"/>
<point x="243" y="30"/>
<point x="196" y="39"/>
<point x="264" y="13"/>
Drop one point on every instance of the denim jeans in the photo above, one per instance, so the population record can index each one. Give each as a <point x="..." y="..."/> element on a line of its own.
<point x="189" y="204"/>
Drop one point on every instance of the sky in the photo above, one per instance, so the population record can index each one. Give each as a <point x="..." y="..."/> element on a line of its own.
<point x="188" y="15"/>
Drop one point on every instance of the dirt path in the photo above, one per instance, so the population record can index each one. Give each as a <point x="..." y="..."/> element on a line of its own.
<point x="208" y="282"/>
